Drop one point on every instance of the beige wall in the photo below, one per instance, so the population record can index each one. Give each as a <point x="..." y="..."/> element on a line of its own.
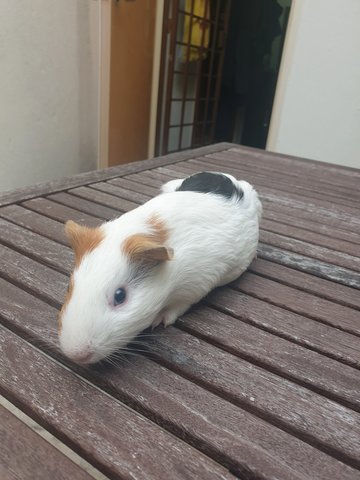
<point x="49" y="64"/>
<point x="317" y="105"/>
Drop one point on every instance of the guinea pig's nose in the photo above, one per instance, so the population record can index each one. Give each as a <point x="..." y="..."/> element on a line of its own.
<point x="83" y="356"/>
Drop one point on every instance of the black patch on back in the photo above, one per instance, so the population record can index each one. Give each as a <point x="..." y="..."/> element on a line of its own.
<point x="208" y="182"/>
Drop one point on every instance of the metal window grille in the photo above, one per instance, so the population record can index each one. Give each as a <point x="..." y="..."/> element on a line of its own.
<point x="193" y="42"/>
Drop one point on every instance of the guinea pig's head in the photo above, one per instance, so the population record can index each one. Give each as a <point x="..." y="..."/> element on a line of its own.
<point x="115" y="289"/>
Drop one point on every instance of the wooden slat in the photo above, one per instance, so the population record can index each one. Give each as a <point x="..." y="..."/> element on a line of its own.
<point x="33" y="276"/>
<point x="39" y="224"/>
<point x="29" y="315"/>
<point x="58" y="212"/>
<point x="36" y="246"/>
<point x="306" y="264"/>
<point x="308" y="283"/>
<point x="229" y="434"/>
<point x="121" y="192"/>
<point x="312" y="417"/>
<point x="313" y="238"/>
<point x="300" y="302"/>
<point x="319" y="373"/>
<point x="314" y="251"/>
<point x="46" y="188"/>
<point x="282" y="214"/>
<point x="25" y="455"/>
<point x="131" y="186"/>
<point x="296" y="328"/>
<point x="106" y="433"/>
<point x="102" y="198"/>
<point x="85" y="206"/>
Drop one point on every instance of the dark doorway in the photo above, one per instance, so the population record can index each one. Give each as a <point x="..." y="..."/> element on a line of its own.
<point x="253" y="52"/>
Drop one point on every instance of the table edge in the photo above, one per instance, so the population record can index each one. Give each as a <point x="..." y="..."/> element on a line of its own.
<point x="9" y="197"/>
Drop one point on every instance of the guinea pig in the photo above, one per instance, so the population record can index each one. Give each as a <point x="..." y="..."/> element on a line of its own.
<point x="151" y="264"/>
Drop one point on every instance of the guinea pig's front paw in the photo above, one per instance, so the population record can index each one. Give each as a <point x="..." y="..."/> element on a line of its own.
<point x="171" y="314"/>
<point x="156" y="322"/>
<point x="169" y="317"/>
<point x="166" y="317"/>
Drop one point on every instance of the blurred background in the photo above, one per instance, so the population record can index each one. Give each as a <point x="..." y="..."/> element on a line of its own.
<point x="86" y="84"/>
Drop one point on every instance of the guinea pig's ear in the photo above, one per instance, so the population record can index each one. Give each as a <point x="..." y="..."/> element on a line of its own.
<point x="144" y="248"/>
<point x="82" y="239"/>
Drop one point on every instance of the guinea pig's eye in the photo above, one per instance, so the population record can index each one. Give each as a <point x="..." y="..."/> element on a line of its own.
<point x="119" y="296"/>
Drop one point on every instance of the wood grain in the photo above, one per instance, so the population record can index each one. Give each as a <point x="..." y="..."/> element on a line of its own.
<point x="25" y="455"/>
<point x="289" y="325"/>
<point x="262" y="379"/>
<point x="306" y="282"/>
<point x="111" y="444"/>
<point x="84" y="206"/>
<point x="232" y="436"/>
<point x="289" y="406"/>
<point x="303" y="303"/>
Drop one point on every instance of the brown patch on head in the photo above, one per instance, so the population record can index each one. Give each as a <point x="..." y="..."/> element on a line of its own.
<point x="67" y="300"/>
<point x="149" y="247"/>
<point x="82" y="239"/>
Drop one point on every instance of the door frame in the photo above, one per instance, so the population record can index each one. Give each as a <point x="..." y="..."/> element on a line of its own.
<point x="104" y="79"/>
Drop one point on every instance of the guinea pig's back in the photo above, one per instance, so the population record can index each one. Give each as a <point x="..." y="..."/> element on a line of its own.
<point x="214" y="237"/>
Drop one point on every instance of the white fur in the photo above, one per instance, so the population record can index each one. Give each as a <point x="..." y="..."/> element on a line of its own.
<point x="214" y="239"/>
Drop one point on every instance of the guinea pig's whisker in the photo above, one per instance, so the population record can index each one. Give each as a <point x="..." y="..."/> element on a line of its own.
<point x="117" y="361"/>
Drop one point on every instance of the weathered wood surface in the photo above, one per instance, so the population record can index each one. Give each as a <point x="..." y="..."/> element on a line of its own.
<point x="260" y="381"/>
<point x="25" y="455"/>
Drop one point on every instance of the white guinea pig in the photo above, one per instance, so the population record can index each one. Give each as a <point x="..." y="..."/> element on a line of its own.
<point x="151" y="264"/>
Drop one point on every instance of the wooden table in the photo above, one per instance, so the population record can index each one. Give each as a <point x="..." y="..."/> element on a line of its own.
<point x="260" y="381"/>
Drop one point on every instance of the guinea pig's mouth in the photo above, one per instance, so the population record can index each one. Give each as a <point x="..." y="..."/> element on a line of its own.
<point x="83" y="357"/>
